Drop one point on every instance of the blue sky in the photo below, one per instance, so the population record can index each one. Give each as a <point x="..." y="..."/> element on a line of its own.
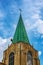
<point x="32" y="14"/>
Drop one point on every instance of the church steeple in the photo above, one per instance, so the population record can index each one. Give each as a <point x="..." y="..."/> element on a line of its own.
<point x="20" y="33"/>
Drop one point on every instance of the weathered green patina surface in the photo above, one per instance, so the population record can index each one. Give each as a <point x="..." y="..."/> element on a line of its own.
<point x="20" y="33"/>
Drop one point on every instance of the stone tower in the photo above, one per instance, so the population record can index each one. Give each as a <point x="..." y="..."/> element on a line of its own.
<point x="20" y="52"/>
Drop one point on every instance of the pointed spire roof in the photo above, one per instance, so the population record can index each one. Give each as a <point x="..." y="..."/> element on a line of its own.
<point x="20" y="33"/>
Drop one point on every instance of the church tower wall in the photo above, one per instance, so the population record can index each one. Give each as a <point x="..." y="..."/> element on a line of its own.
<point x="20" y="51"/>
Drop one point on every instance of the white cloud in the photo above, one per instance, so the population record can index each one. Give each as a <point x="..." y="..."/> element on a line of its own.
<point x="37" y="25"/>
<point x="27" y="24"/>
<point x="33" y="11"/>
<point x="35" y="16"/>
<point x="39" y="53"/>
<point x="38" y="3"/>
<point x="4" y="45"/>
<point x="0" y="48"/>
<point x="14" y="26"/>
<point x="2" y="41"/>
<point x="40" y="26"/>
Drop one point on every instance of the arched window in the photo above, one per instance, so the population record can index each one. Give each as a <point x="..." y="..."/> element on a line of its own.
<point x="11" y="59"/>
<point x="29" y="58"/>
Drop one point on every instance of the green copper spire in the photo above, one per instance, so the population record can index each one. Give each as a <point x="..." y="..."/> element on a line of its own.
<point x="20" y="33"/>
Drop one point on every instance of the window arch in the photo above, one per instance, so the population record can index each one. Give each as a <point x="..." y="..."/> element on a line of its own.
<point x="11" y="58"/>
<point x="29" y="58"/>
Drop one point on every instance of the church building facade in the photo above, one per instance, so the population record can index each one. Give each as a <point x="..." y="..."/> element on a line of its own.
<point x="20" y="52"/>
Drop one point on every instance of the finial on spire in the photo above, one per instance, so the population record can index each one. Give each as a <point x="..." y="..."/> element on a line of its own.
<point x="20" y="10"/>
